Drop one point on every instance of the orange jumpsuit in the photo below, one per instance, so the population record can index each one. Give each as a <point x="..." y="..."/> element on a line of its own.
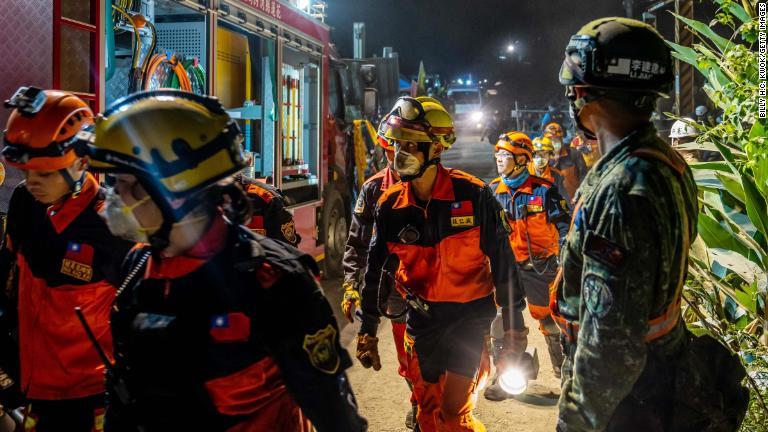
<point x="65" y="257"/>
<point x="450" y="252"/>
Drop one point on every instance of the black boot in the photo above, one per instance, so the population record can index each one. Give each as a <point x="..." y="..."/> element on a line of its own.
<point x="410" y="418"/>
<point x="555" y="353"/>
<point x="494" y="392"/>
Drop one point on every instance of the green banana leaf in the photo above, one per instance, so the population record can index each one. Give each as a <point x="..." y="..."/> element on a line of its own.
<point x="704" y="30"/>
<point x="735" y="9"/>
<point x="716" y="236"/>
<point x="756" y="205"/>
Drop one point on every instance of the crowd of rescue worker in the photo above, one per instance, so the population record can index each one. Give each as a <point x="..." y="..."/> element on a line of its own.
<point x="156" y="297"/>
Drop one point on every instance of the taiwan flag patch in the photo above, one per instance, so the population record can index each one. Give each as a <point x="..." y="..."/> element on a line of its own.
<point x="78" y="261"/>
<point x="462" y="208"/>
<point x="535" y="204"/>
<point x="230" y="327"/>
<point x="462" y="214"/>
<point x="80" y="252"/>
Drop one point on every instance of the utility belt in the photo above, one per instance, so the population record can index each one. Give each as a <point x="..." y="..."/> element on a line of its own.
<point x="657" y="327"/>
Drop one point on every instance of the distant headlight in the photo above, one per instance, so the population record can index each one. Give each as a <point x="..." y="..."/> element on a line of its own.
<point x="477" y="116"/>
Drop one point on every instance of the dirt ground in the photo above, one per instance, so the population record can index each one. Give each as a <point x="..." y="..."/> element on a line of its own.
<point x="384" y="397"/>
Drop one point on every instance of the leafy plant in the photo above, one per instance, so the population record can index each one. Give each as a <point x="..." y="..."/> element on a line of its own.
<point x="727" y="290"/>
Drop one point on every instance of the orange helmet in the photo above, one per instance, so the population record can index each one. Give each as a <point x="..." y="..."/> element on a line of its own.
<point x="42" y="131"/>
<point x="515" y="143"/>
<point x="554" y="129"/>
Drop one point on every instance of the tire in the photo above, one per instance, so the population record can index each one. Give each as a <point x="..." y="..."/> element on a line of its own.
<point x="335" y="232"/>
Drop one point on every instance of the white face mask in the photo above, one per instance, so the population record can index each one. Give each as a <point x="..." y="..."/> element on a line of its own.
<point x="121" y="220"/>
<point x="540" y="162"/>
<point x="406" y="164"/>
<point x="557" y="143"/>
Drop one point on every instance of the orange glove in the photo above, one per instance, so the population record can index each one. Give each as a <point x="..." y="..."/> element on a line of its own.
<point x="350" y="301"/>
<point x="368" y="351"/>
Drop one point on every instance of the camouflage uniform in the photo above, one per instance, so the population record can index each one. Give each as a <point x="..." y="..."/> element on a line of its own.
<point x="622" y="265"/>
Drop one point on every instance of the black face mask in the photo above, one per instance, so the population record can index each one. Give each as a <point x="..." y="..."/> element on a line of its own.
<point x="575" y="106"/>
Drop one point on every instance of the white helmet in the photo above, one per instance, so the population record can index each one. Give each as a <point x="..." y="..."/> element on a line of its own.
<point x="683" y="128"/>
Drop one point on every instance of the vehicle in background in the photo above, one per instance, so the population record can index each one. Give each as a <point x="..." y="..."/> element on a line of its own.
<point x="305" y="113"/>
<point x="467" y="102"/>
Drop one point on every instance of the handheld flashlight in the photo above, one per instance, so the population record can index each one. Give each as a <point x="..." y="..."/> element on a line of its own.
<point x="514" y="378"/>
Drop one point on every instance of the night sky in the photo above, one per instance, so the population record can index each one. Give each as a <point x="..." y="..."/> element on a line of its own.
<point x="458" y="37"/>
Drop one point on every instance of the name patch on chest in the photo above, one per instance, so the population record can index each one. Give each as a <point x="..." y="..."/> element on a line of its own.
<point x="463" y="221"/>
<point x="78" y="261"/>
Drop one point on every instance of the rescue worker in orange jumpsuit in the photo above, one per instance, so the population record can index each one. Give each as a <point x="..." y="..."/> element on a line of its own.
<point x="202" y="342"/>
<point x="589" y="151"/>
<point x="539" y="218"/>
<point x="60" y="255"/>
<point x="543" y="164"/>
<point x="356" y="259"/>
<point x="567" y="162"/>
<point x="442" y="237"/>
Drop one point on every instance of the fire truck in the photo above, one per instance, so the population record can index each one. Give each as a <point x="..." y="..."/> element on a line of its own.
<point x="273" y="67"/>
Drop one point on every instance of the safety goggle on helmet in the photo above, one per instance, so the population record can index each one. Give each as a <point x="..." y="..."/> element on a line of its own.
<point x="45" y="131"/>
<point x="543" y="144"/>
<point x="515" y="143"/>
<point x="420" y="119"/>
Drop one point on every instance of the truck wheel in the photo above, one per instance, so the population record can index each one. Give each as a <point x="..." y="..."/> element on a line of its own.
<point x="336" y="230"/>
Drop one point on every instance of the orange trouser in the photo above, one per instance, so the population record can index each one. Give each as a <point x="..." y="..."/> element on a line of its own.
<point x="446" y="405"/>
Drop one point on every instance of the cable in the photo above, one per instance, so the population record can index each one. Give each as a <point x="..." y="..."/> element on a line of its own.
<point x="150" y="52"/>
<point x="137" y="22"/>
<point x="413" y="301"/>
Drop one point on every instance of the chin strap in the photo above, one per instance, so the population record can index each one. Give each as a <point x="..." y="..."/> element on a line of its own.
<point x="577" y="104"/>
<point x="75" y="186"/>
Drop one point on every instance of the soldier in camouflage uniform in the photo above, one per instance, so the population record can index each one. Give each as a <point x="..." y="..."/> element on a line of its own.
<point x="617" y="297"/>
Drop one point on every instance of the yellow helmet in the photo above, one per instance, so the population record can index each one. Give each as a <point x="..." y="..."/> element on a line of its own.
<point x="421" y="119"/>
<point x="543" y="144"/>
<point x="176" y="143"/>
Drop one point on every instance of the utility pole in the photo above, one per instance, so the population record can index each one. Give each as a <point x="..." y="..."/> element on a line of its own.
<point x="684" y="81"/>
<point x="358" y="41"/>
<point x="629" y="8"/>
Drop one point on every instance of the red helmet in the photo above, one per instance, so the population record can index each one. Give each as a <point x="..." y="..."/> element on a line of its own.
<point x="42" y="131"/>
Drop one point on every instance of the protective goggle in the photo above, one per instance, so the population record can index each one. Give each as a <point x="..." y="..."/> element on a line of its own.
<point x="410" y="109"/>
<point x="409" y="113"/>
<point x="514" y="143"/>
<point x="554" y="130"/>
<point x="19" y="154"/>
